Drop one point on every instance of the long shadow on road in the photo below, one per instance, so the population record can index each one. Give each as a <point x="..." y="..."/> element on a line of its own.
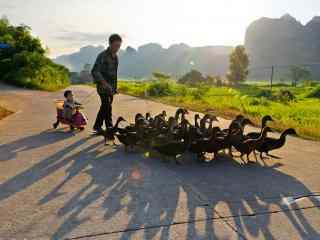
<point x="127" y="192"/>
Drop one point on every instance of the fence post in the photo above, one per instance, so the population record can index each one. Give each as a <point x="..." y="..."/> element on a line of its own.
<point x="271" y="78"/>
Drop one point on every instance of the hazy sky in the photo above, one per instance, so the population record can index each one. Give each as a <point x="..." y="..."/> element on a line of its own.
<point x="66" y="25"/>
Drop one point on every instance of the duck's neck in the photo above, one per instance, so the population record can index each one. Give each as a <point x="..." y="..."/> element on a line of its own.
<point x="196" y="124"/>
<point x="116" y="126"/>
<point x="203" y="123"/>
<point x="283" y="136"/>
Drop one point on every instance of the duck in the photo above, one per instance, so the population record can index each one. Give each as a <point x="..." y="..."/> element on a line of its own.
<point x="235" y="132"/>
<point x="207" y="118"/>
<point x="264" y="122"/>
<point x="162" y="115"/>
<point x="175" y="148"/>
<point x="206" y="145"/>
<point x="182" y="112"/>
<point x="109" y="133"/>
<point x="130" y="138"/>
<point x="196" y="120"/>
<point x="246" y="147"/>
<point x="270" y="144"/>
<point x="235" y="123"/>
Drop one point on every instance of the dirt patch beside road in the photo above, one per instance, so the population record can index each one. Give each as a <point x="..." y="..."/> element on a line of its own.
<point x="4" y="112"/>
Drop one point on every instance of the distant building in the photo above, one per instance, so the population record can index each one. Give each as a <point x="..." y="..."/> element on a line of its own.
<point x="85" y="74"/>
<point x="83" y="77"/>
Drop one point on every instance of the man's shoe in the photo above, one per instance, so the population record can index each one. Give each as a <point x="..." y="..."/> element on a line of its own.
<point x="97" y="131"/>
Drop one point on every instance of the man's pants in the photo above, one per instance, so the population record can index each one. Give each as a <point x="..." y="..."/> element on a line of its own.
<point x="105" y="112"/>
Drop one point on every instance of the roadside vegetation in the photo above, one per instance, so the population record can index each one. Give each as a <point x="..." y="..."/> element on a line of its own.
<point x="294" y="105"/>
<point x="23" y="60"/>
<point x="297" y="107"/>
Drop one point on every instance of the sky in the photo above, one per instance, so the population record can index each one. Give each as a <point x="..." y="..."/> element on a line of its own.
<point x="66" y="25"/>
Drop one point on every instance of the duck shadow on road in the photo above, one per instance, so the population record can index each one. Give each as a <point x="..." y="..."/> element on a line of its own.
<point x="123" y="193"/>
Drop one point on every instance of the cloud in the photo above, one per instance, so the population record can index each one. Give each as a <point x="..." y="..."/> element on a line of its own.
<point x="74" y="37"/>
<point x="7" y="6"/>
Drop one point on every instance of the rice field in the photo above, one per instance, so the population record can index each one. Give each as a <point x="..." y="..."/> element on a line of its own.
<point x="302" y="112"/>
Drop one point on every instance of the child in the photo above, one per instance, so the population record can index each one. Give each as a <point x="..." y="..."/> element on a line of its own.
<point x="71" y="113"/>
<point x="69" y="106"/>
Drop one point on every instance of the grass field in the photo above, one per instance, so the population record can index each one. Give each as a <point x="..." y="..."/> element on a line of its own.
<point x="254" y="101"/>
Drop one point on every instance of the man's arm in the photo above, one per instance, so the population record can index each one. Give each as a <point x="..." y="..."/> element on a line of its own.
<point x="96" y="70"/>
<point x="97" y="75"/>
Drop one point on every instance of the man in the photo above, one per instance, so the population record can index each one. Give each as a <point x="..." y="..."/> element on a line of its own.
<point x="105" y="75"/>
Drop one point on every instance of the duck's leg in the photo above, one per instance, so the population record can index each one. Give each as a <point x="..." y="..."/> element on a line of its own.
<point x="248" y="158"/>
<point x="215" y="156"/>
<point x="230" y="152"/>
<point x="241" y="157"/>
<point x="261" y="155"/>
<point x="255" y="156"/>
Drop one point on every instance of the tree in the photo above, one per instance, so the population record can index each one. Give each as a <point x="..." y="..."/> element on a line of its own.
<point x="298" y="73"/>
<point x="192" y="78"/>
<point x="238" y="68"/>
<point x="25" y="62"/>
<point x="160" y="75"/>
<point x="214" y="80"/>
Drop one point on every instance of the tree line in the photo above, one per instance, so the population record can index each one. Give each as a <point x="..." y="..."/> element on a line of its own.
<point x="237" y="74"/>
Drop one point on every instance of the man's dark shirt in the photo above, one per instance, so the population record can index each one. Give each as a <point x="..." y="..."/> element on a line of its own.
<point x="105" y="68"/>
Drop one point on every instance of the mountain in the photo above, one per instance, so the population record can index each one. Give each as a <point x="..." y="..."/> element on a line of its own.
<point x="140" y="63"/>
<point x="283" y="41"/>
<point x="269" y="41"/>
<point x="76" y="61"/>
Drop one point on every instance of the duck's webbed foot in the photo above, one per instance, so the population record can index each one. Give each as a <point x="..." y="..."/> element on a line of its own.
<point x="243" y="161"/>
<point x="248" y="160"/>
<point x="114" y="143"/>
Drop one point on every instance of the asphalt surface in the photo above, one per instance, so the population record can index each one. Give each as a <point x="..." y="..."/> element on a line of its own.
<point x="55" y="184"/>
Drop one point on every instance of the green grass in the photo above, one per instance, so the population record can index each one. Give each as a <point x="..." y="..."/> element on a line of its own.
<point x="254" y="101"/>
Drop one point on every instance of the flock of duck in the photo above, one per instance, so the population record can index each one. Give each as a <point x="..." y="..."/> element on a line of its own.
<point x="174" y="136"/>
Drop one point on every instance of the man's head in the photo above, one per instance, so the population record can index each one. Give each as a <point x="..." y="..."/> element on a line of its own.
<point x="115" y="41"/>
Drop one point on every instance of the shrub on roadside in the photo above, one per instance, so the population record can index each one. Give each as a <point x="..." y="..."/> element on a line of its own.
<point x="160" y="88"/>
<point x="315" y="93"/>
<point x="264" y="93"/>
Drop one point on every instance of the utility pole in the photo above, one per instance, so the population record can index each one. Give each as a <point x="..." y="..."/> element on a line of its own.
<point x="271" y="78"/>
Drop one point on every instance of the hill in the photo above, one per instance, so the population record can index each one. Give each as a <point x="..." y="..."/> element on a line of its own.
<point x="284" y="41"/>
<point x="139" y="63"/>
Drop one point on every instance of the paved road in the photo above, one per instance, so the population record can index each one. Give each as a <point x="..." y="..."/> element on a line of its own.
<point x="60" y="185"/>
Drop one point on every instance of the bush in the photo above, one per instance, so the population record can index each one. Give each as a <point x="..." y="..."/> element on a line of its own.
<point x="285" y="96"/>
<point x="160" y="88"/>
<point x="315" y="93"/>
<point x="200" y="92"/>
<point x="259" y="102"/>
<point x="264" y="93"/>
<point x="193" y="78"/>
